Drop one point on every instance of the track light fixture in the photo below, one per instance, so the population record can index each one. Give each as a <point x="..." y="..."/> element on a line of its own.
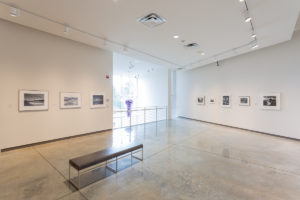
<point x="248" y="19"/>
<point x="14" y="12"/>
<point x="255" y="46"/>
<point x="247" y="15"/>
<point x="67" y="30"/>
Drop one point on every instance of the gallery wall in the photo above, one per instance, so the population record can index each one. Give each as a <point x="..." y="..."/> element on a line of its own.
<point x="34" y="60"/>
<point x="275" y="69"/>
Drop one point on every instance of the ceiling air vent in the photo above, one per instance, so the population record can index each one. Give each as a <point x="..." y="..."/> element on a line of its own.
<point x="152" y="20"/>
<point x="191" y="45"/>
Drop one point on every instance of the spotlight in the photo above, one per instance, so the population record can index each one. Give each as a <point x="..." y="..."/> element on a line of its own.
<point x="247" y="16"/>
<point x="14" y="12"/>
<point x="242" y="0"/>
<point x="255" y="46"/>
<point x="248" y="19"/>
<point x="175" y="36"/>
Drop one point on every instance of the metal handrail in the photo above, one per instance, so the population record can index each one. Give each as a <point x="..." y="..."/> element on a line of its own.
<point x="140" y="109"/>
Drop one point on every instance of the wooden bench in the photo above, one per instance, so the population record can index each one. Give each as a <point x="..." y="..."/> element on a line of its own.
<point x="106" y="155"/>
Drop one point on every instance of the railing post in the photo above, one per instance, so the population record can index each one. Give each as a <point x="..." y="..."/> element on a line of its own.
<point x="144" y="115"/>
<point x="121" y="119"/>
<point x="130" y="117"/>
<point x="166" y="113"/>
<point x="156" y="114"/>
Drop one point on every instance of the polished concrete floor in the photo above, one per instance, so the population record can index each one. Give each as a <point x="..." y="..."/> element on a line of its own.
<point x="184" y="159"/>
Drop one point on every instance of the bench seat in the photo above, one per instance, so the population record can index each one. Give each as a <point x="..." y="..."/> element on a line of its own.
<point x="91" y="159"/>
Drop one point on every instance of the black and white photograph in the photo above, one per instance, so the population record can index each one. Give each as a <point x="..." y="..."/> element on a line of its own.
<point x="244" y="100"/>
<point x="32" y="100"/>
<point x="270" y="101"/>
<point x="201" y="100"/>
<point x="226" y="101"/>
<point x="70" y="100"/>
<point x="97" y="100"/>
<point x="212" y="101"/>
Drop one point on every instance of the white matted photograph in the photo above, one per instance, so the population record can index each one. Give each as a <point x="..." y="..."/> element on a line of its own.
<point x="97" y="100"/>
<point x="244" y="100"/>
<point x="212" y="100"/>
<point x="270" y="101"/>
<point x="33" y="100"/>
<point x="201" y="100"/>
<point x="70" y="100"/>
<point x="226" y="101"/>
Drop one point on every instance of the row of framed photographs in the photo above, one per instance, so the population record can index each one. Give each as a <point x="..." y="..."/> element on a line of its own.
<point x="33" y="100"/>
<point x="270" y="101"/>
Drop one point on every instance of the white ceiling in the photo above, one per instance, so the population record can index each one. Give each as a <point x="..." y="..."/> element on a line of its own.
<point x="217" y="25"/>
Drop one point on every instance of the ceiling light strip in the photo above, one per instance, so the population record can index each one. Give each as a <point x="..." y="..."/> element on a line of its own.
<point x="92" y="35"/>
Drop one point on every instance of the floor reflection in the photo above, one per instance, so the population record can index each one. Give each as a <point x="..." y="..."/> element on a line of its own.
<point x="123" y="137"/>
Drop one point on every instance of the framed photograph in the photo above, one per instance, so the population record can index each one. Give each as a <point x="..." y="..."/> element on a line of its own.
<point x="70" y="100"/>
<point x="201" y="100"/>
<point x="270" y="101"/>
<point x="226" y="101"/>
<point x="244" y="101"/>
<point x="33" y="100"/>
<point x="212" y="100"/>
<point x="97" y="100"/>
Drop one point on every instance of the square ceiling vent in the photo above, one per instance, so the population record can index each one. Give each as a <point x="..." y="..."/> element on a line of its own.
<point x="152" y="20"/>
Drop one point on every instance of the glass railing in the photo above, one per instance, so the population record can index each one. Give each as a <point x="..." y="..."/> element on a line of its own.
<point x="135" y="116"/>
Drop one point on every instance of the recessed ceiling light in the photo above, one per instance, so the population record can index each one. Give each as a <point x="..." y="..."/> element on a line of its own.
<point x="242" y="0"/>
<point x="176" y="36"/>
<point x="14" y="12"/>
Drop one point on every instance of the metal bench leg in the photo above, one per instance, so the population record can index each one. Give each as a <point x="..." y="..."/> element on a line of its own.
<point x="117" y="164"/>
<point x="78" y="180"/>
<point x="111" y="169"/>
<point x="69" y="176"/>
<point x="141" y="159"/>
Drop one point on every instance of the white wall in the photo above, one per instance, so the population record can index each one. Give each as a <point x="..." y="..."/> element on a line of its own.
<point x="274" y="69"/>
<point x="34" y="60"/>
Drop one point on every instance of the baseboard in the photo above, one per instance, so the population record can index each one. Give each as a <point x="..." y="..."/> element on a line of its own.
<point x="54" y="140"/>
<point x="270" y="134"/>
